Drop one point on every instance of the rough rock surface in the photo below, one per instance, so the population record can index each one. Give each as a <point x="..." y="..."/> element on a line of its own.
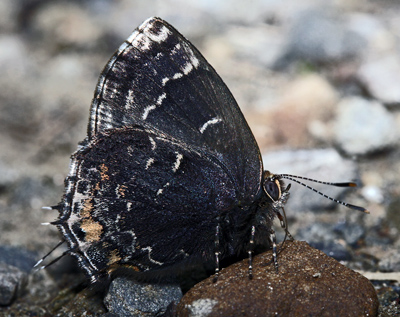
<point x="374" y="130"/>
<point x="128" y="297"/>
<point x="309" y="283"/>
<point x="11" y="279"/>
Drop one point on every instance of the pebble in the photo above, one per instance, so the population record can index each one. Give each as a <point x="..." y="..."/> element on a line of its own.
<point x="8" y="21"/>
<point x="373" y="193"/>
<point x="381" y="77"/>
<point x="306" y="99"/>
<point x="12" y="281"/>
<point x="15" y="265"/>
<point x="318" y="37"/>
<point x="362" y="127"/>
<point x="8" y="174"/>
<point x="391" y="263"/>
<point x="127" y="297"/>
<point x="352" y="233"/>
<point x="65" y="24"/>
<point x="389" y="299"/>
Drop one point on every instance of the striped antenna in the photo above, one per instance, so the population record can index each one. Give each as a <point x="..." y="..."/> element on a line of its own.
<point x="295" y="178"/>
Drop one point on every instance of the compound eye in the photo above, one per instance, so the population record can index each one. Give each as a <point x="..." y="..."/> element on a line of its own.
<point x="272" y="189"/>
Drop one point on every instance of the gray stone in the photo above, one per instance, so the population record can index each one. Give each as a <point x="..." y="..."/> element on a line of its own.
<point x="130" y="298"/>
<point x="391" y="263"/>
<point x="75" y="27"/>
<point x="353" y="233"/>
<point x="12" y="280"/>
<point x="14" y="56"/>
<point x="8" y="174"/>
<point x="373" y="193"/>
<point x="381" y="77"/>
<point x="8" y="20"/>
<point x="15" y="265"/>
<point x="320" y="36"/>
<point x="389" y="301"/>
<point x="362" y="127"/>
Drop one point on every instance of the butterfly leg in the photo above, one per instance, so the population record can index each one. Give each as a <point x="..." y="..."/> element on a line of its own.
<point x="217" y="252"/>
<point x="272" y="238"/>
<point x="282" y="219"/>
<point x="250" y="252"/>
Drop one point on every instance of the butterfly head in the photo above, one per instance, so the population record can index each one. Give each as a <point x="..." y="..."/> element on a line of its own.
<point x="275" y="189"/>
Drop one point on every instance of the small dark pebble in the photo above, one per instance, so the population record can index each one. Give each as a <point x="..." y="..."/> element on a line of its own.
<point x="12" y="281"/>
<point x="15" y="264"/>
<point x="130" y="298"/>
<point x="389" y="301"/>
<point x="309" y="283"/>
<point x="324" y="39"/>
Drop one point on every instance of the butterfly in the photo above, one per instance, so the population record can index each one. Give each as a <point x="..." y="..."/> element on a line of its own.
<point x="170" y="172"/>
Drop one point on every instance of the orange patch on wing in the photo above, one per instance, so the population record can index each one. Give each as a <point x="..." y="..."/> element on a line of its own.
<point x="93" y="229"/>
<point x="114" y="257"/>
<point x="121" y="190"/>
<point x="86" y="209"/>
<point x="103" y="172"/>
<point x="116" y="266"/>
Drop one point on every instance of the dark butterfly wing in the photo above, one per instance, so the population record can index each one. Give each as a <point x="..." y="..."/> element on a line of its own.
<point x="160" y="81"/>
<point x="138" y="199"/>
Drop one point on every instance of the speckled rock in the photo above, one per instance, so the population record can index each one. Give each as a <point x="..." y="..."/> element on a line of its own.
<point x="391" y="263"/>
<point x="11" y="279"/>
<point x="127" y="297"/>
<point x="309" y="283"/>
<point x="382" y="78"/>
<point x="363" y="127"/>
<point x="318" y="36"/>
<point x="15" y="264"/>
<point x="389" y="302"/>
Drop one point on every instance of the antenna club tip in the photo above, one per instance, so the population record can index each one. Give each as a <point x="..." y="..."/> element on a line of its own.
<point x="351" y="184"/>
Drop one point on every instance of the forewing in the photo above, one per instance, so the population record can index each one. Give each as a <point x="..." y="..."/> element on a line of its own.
<point x="159" y="80"/>
<point x="135" y="198"/>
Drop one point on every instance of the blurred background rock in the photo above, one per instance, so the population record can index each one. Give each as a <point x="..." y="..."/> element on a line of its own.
<point x="318" y="82"/>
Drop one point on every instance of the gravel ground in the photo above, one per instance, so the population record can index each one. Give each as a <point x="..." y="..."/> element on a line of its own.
<point x="319" y="86"/>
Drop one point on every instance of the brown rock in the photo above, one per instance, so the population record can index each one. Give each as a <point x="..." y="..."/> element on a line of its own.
<point x="309" y="283"/>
